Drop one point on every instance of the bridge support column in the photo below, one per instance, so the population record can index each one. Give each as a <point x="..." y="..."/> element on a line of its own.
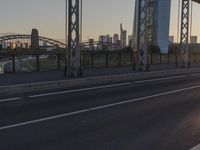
<point x="142" y="48"/>
<point x="74" y="57"/>
<point x="184" y="47"/>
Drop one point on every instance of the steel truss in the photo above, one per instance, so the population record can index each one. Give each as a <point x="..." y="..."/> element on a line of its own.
<point x="74" y="63"/>
<point x="184" y="46"/>
<point x="142" y="49"/>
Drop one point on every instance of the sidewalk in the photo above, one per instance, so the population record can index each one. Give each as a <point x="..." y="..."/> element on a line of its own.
<point x="35" y="77"/>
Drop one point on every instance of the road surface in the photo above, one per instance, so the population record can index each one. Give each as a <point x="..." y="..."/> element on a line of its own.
<point x="154" y="114"/>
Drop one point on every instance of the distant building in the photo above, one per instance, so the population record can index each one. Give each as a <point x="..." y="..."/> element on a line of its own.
<point x="104" y="42"/>
<point x="159" y="12"/>
<point x="34" y="39"/>
<point x="115" y="38"/>
<point x="123" y="36"/>
<point x="130" y="40"/>
<point x="171" y="39"/>
<point x="193" y="39"/>
<point x="91" y="44"/>
<point x="105" y="39"/>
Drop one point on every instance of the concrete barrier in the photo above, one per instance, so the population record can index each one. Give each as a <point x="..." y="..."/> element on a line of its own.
<point x="93" y="80"/>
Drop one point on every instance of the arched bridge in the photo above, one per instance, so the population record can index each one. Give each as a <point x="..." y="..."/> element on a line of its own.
<point x="25" y="38"/>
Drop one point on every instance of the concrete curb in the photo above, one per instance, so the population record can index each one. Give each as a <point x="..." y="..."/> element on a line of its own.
<point x="93" y="80"/>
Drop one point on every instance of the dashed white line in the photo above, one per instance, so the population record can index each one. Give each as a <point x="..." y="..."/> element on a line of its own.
<point x="194" y="74"/>
<point x="10" y="99"/>
<point x="78" y="90"/>
<point x="97" y="108"/>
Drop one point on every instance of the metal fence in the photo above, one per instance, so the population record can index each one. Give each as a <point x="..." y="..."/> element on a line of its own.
<point x="52" y="61"/>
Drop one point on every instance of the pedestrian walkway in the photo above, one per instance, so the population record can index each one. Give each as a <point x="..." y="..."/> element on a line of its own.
<point x="35" y="77"/>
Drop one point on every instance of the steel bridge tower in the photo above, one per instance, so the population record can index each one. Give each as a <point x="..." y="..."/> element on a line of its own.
<point x="145" y="29"/>
<point x="73" y="35"/>
<point x="184" y="46"/>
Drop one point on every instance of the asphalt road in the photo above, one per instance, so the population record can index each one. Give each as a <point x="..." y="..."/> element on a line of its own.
<point x="158" y="114"/>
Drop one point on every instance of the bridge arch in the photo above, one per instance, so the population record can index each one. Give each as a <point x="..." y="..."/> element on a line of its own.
<point x="7" y="41"/>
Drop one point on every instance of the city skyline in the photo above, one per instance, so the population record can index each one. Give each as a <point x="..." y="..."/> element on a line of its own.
<point x="49" y="17"/>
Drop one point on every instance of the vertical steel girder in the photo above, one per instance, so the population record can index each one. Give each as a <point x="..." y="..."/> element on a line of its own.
<point x="184" y="47"/>
<point x="142" y="49"/>
<point x="73" y="39"/>
<point x="152" y="22"/>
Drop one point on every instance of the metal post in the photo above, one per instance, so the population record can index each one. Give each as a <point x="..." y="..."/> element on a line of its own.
<point x="38" y="62"/>
<point x="184" y="46"/>
<point x="92" y="60"/>
<point x="120" y="59"/>
<point x="74" y="63"/>
<point x="160" y="58"/>
<point x="106" y="59"/>
<point x="142" y="56"/>
<point x="151" y="59"/>
<point x="168" y="55"/>
<point x="58" y="61"/>
<point x="13" y="63"/>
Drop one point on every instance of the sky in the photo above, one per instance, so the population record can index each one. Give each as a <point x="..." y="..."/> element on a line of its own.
<point x="99" y="17"/>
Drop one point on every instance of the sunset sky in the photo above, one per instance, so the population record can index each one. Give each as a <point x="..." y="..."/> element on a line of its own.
<point x="99" y="17"/>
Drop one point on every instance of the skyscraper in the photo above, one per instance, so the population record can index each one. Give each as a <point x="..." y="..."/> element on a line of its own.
<point x="123" y="36"/>
<point x="164" y="8"/>
<point x="158" y="20"/>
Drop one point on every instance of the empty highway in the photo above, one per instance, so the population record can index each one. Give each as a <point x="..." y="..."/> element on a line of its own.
<point x="152" y="114"/>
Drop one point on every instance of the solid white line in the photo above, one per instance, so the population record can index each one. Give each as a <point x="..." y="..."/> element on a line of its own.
<point x="97" y="108"/>
<point x="9" y="99"/>
<point x="160" y="79"/>
<point x="78" y="90"/>
<point x="106" y="86"/>
<point x="196" y="147"/>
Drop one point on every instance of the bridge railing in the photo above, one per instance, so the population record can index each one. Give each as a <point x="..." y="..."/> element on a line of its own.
<point x="28" y="62"/>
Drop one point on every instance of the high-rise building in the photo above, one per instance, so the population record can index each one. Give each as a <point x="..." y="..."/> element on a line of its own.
<point x="193" y="39"/>
<point x="158" y="23"/>
<point x="34" y="39"/>
<point x="115" y="38"/>
<point x="123" y="36"/>
<point x="105" y="39"/>
<point x="163" y="24"/>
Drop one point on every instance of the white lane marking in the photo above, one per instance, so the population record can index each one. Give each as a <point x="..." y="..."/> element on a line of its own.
<point x="97" y="108"/>
<point x="10" y="99"/>
<point x="194" y="74"/>
<point x="196" y="147"/>
<point x="160" y="79"/>
<point x="78" y="90"/>
<point x="106" y="86"/>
